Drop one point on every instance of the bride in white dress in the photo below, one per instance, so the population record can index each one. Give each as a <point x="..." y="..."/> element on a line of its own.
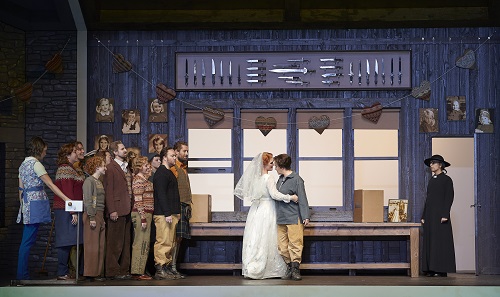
<point x="260" y="256"/>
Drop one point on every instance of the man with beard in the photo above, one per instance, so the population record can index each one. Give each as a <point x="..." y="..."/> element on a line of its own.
<point x="181" y="173"/>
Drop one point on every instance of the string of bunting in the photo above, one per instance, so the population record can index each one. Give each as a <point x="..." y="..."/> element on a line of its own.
<point x="54" y="65"/>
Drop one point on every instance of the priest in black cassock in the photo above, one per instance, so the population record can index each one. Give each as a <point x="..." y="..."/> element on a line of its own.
<point x="438" y="254"/>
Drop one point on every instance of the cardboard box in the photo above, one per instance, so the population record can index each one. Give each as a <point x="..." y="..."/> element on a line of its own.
<point x="397" y="210"/>
<point x="201" y="210"/>
<point x="368" y="206"/>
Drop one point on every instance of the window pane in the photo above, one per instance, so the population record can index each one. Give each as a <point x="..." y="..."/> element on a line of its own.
<point x="255" y="142"/>
<point x="377" y="175"/>
<point x="209" y="143"/>
<point x="210" y="164"/>
<point x="322" y="189"/>
<point x="220" y="186"/>
<point x="375" y="143"/>
<point x="327" y="144"/>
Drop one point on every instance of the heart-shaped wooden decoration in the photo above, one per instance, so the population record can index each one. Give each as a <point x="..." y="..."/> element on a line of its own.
<point x="467" y="60"/>
<point x="212" y="115"/>
<point x="319" y="123"/>
<point x="24" y="93"/>
<point x="121" y="65"/>
<point x="265" y="125"/>
<point x="164" y="94"/>
<point x="423" y="91"/>
<point x="372" y="113"/>
<point x="55" y="65"/>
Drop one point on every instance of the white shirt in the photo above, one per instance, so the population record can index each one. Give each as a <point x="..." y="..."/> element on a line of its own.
<point x="122" y="164"/>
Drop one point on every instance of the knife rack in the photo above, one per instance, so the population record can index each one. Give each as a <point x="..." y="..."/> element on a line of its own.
<point x="293" y="70"/>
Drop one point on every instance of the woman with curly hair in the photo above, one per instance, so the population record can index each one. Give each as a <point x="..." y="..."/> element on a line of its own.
<point x="94" y="226"/>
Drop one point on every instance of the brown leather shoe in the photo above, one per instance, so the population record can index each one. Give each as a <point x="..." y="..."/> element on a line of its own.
<point x="142" y="277"/>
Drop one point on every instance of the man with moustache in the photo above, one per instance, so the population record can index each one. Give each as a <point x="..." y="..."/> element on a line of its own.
<point x="118" y="192"/>
<point x="166" y="214"/>
<point x="181" y="173"/>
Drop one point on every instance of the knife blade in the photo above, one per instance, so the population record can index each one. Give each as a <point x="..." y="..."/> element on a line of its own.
<point x="290" y="77"/>
<point x="359" y="73"/>
<point x="221" y="74"/>
<point x="203" y="75"/>
<point x="332" y="75"/>
<point x="376" y="71"/>
<point x="256" y="61"/>
<point x="287" y="66"/>
<point x="303" y="70"/>
<point x="329" y="82"/>
<point x="256" y="74"/>
<point x="331" y="67"/>
<point x="351" y="74"/>
<point x="194" y="73"/>
<point x="213" y="72"/>
<point x="297" y="82"/>
<point x="301" y="60"/>
<point x="383" y="72"/>
<point x="334" y="60"/>
<point x="367" y="72"/>
<point x="252" y="81"/>
<point x="239" y="75"/>
<point x="230" y="77"/>
<point x="256" y="68"/>
<point x="399" y="75"/>
<point x="186" y="76"/>
<point x="392" y="71"/>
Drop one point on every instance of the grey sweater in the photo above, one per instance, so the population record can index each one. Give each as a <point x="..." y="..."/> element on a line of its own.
<point x="290" y="213"/>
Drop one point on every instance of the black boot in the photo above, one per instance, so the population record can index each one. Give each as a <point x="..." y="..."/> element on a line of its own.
<point x="296" y="271"/>
<point x="169" y="274"/>
<point x="160" y="273"/>
<point x="288" y="273"/>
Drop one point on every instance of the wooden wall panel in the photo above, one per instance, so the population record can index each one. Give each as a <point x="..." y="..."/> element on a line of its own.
<point x="434" y="51"/>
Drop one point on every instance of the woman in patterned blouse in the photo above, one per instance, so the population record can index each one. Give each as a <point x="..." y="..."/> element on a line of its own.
<point x="142" y="214"/>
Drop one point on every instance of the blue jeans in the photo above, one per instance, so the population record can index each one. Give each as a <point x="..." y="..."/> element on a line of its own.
<point x="30" y="232"/>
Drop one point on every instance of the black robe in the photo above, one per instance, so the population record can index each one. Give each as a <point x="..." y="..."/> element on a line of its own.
<point x="438" y="253"/>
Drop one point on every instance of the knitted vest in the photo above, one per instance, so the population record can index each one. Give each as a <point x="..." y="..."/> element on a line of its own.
<point x="184" y="186"/>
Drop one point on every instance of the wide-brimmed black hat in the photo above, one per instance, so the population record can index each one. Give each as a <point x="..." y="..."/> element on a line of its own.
<point x="437" y="158"/>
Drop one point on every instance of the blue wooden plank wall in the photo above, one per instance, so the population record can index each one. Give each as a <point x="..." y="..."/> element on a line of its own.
<point x="434" y="51"/>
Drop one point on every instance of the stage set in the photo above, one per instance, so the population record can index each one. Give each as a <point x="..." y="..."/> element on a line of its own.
<point x="228" y="285"/>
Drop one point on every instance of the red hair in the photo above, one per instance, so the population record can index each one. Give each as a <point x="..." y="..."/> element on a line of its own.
<point x="266" y="158"/>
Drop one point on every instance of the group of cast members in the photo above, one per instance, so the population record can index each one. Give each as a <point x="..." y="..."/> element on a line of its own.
<point x="126" y="196"/>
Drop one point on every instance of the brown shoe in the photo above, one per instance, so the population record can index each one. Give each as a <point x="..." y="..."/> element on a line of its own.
<point x="142" y="277"/>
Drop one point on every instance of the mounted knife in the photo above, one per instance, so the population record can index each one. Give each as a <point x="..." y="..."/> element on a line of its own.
<point x="256" y="74"/>
<point x="383" y="72"/>
<point x="186" y="76"/>
<point x="367" y="72"/>
<point x="392" y="71"/>
<point x="376" y="71"/>
<point x="221" y="74"/>
<point x="213" y="72"/>
<point x="290" y="77"/>
<point x="351" y="74"/>
<point x="329" y="82"/>
<point x="194" y="73"/>
<point x="301" y="60"/>
<point x="256" y="68"/>
<point x="252" y="81"/>
<point x="297" y="82"/>
<point x="399" y="75"/>
<point x="359" y="73"/>
<point x="284" y="70"/>
<point x="203" y="75"/>
<point x="230" y="77"/>
<point x="334" y="60"/>
<point x="239" y="75"/>
<point x="331" y="67"/>
<point x="332" y="75"/>
<point x="287" y="66"/>
<point x="256" y="61"/>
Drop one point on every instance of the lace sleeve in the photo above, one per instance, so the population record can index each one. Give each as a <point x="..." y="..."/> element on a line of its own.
<point x="273" y="191"/>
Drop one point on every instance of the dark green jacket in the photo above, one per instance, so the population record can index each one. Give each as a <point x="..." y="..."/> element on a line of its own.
<point x="290" y="213"/>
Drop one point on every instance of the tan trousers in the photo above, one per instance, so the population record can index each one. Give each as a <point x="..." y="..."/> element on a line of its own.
<point x="291" y="242"/>
<point x="165" y="239"/>
<point x="94" y="241"/>
<point x="140" y="245"/>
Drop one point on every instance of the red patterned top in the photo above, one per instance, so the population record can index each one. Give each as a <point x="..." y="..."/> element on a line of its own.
<point x="143" y="196"/>
<point x="70" y="182"/>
